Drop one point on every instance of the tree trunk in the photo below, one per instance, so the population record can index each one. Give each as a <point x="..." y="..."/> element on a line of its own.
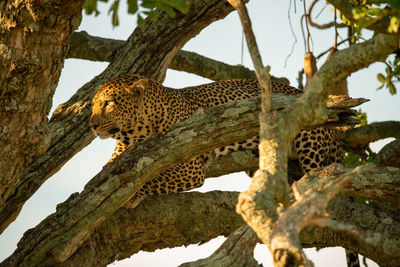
<point x="148" y="52"/>
<point x="33" y="44"/>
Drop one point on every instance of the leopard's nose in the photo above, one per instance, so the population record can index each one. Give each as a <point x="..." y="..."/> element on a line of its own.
<point x="94" y="122"/>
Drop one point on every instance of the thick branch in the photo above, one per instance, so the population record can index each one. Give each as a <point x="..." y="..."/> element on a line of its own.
<point x="107" y="244"/>
<point x="85" y="46"/>
<point x="308" y="110"/>
<point x="237" y="250"/>
<point x="389" y="155"/>
<point x="64" y="231"/>
<point x="148" y="52"/>
<point x="360" y="137"/>
<point x="159" y="222"/>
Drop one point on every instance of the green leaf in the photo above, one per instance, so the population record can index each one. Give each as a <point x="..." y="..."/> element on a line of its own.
<point x="140" y="20"/>
<point x="181" y="5"/>
<point x="114" y="10"/>
<point x="90" y="6"/>
<point x="169" y="10"/>
<point x="132" y="6"/>
<point x="381" y="78"/>
<point x="392" y="88"/>
<point x="152" y="14"/>
<point x="149" y="4"/>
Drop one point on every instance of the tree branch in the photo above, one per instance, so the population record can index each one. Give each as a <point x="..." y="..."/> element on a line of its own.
<point x="308" y="110"/>
<point x="389" y="155"/>
<point x="321" y="26"/>
<point x="64" y="231"/>
<point x="237" y="250"/>
<point x="84" y="46"/>
<point x="107" y="244"/>
<point x="69" y="124"/>
<point x="164" y="221"/>
<point x="360" y="137"/>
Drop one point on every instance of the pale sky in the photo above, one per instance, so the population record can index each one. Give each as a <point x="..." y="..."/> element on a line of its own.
<point x="220" y="41"/>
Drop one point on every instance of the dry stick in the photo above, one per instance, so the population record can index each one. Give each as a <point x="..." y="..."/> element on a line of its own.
<point x="261" y="72"/>
<point x="269" y="186"/>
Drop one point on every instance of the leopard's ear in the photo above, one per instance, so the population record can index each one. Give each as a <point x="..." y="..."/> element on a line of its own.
<point x="138" y="87"/>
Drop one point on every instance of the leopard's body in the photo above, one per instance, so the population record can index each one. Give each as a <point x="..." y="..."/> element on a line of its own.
<point x="132" y="108"/>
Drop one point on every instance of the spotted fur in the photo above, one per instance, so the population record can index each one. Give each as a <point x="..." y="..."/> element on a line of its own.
<point x="132" y="108"/>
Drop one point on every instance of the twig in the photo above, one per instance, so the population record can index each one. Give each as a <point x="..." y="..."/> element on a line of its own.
<point x="321" y="26"/>
<point x="261" y="72"/>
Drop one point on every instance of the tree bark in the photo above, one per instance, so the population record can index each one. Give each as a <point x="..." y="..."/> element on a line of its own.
<point x="60" y="234"/>
<point x="148" y="52"/>
<point x="257" y="205"/>
<point x="154" y="223"/>
<point x="33" y="44"/>
<point x="360" y="137"/>
<point x="159" y="222"/>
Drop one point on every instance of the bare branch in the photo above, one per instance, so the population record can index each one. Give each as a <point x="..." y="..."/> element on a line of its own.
<point x="84" y="46"/>
<point x="321" y="26"/>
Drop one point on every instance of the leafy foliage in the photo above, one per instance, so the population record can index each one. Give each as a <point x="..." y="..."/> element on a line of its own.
<point x="368" y="12"/>
<point x="143" y="8"/>
<point x="392" y="75"/>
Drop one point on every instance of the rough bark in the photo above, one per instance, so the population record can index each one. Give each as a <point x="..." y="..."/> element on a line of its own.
<point x="360" y="137"/>
<point x="85" y="46"/>
<point x="33" y="44"/>
<point x="257" y="205"/>
<point x="154" y="223"/>
<point x="59" y="235"/>
<point x="389" y="155"/>
<point x="159" y="222"/>
<point x="148" y="52"/>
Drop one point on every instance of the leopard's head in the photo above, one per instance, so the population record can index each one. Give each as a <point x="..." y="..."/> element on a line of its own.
<point x="115" y="107"/>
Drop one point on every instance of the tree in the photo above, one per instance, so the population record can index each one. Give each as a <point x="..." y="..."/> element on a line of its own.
<point x="80" y="223"/>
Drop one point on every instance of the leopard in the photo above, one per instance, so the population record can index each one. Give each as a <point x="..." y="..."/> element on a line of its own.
<point x="131" y="108"/>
